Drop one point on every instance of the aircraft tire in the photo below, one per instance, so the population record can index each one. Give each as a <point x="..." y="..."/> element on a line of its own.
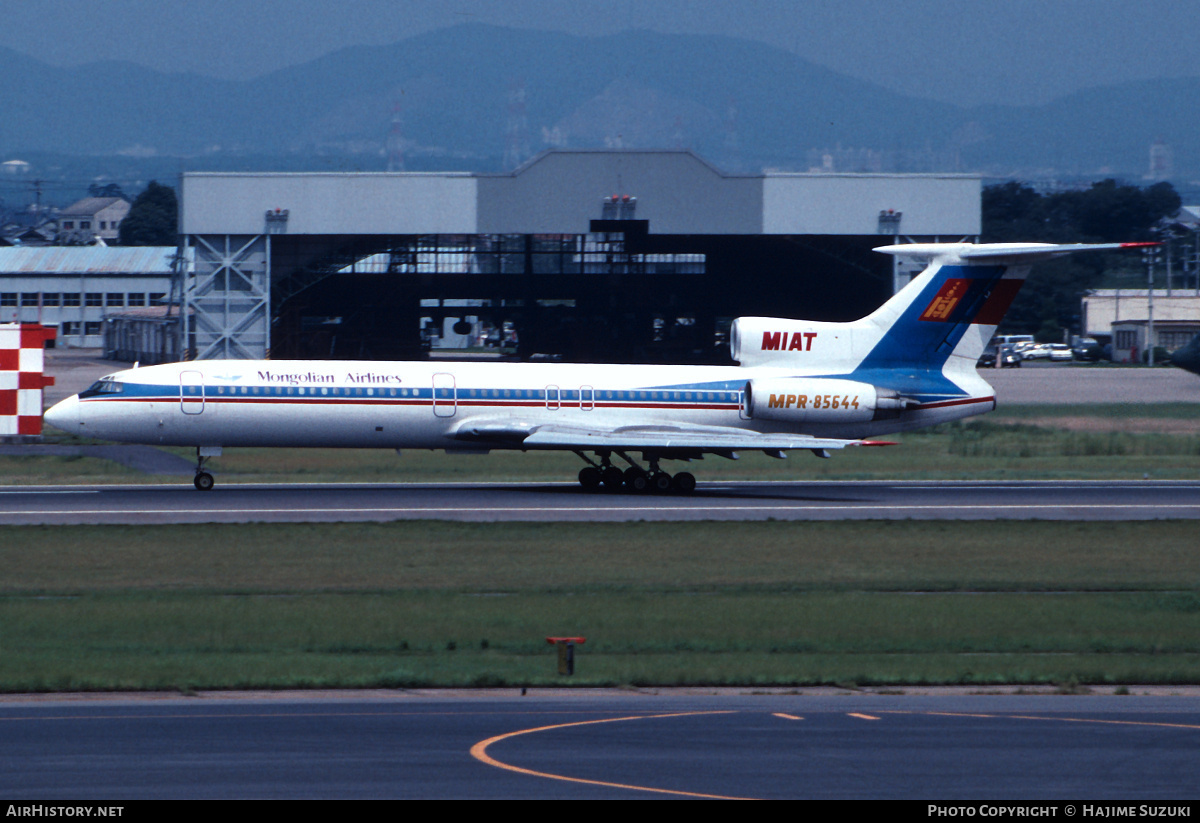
<point x="589" y="478"/>
<point x="660" y="482"/>
<point x="613" y="478"/>
<point x="204" y="481"/>
<point x="684" y="483"/>
<point x="636" y="480"/>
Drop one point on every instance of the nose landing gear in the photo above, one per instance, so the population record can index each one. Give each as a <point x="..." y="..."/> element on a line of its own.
<point x="204" y="481"/>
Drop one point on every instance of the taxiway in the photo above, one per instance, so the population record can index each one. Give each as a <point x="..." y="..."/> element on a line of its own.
<point x="604" y="745"/>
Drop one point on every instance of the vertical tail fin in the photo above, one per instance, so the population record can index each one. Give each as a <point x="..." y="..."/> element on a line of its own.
<point x="945" y="317"/>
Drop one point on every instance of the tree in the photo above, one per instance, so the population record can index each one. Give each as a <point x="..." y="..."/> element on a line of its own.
<point x="1011" y="213"/>
<point x="108" y="190"/>
<point x="1108" y="212"/>
<point x="153" y="218"/>
<point x="1113" y="213"/>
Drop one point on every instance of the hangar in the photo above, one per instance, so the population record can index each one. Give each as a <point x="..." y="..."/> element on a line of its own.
<point x="579" y="255"/>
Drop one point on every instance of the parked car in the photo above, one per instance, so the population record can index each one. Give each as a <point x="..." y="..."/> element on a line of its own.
<point x="1017" y="340"/>
<point x="1009" y="358"/>
<point x="1059" y="352"/>
<point x="1038" y="351"/>
<point x="1086" y="349"/>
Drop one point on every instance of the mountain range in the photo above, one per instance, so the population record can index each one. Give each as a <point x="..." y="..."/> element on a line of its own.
<point x="484" y="98"/>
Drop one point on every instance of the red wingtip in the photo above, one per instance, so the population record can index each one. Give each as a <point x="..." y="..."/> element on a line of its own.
<point x="1140" y="245"/>
<point x="877" y="443"/>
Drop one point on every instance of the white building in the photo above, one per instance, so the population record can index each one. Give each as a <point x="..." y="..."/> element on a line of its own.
<point x="1130" y="339"/>
<point x="93" y="217"/>
<point x="1104" y="309"/>
<point x="75" y="288"/>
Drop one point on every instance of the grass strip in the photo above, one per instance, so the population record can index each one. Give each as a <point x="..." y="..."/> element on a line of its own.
<point x="654" y="556"/>
<point x="188" y="641"/>
<point x="461" y="604"/>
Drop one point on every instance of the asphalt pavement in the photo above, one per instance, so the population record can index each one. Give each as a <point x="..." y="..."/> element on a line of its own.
<point x="567" y="502"/>
<point x="1041" y="749"/>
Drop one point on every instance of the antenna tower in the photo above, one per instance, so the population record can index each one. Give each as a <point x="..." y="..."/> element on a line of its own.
<point x="516" y="148"/>
<point x="395" y="140"/>
<point x="731" y="132"/>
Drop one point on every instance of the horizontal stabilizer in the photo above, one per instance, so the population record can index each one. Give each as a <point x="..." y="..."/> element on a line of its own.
<point x="995" y="253"/>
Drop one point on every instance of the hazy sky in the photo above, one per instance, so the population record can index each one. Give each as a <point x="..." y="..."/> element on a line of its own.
<point x="969" y="51"/>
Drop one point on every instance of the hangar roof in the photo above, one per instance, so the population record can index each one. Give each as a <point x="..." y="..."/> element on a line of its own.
<point x="560" y="191"/>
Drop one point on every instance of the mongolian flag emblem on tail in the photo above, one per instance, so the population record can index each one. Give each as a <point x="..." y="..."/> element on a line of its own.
<point x="948" y="296"/>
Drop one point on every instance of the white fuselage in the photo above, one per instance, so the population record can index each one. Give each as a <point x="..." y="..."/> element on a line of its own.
<point x="426" y="405"/>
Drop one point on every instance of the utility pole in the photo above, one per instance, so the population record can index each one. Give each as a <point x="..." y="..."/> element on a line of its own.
<point x="1167" y="248"/>
<point x="37" y="203"/>
<point x="1151" y="257"/>
<point x="1197" y="260"/>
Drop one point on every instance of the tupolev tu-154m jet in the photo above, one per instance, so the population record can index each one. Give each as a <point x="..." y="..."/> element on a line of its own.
<point x="798" y="385"/>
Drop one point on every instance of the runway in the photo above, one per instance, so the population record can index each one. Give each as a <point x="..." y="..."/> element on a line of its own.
<point x="567" y="502"/>
<point x="604" y="745"/>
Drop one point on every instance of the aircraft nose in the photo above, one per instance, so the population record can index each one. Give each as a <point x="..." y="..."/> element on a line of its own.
<point x="64" y="414"/>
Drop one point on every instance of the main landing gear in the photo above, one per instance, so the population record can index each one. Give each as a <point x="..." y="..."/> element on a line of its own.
<point x="634" y="479"/>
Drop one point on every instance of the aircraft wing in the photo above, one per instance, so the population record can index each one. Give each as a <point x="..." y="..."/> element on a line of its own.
<point x="664" y="437"/>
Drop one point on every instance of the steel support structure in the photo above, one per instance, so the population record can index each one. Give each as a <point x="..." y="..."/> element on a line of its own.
<point x="227" y="297"/>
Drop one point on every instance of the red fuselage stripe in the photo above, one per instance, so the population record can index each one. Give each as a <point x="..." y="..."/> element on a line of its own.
<point x="965" y="401"/>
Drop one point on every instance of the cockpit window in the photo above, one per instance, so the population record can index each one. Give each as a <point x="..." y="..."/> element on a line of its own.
<point x="105" y="385"/>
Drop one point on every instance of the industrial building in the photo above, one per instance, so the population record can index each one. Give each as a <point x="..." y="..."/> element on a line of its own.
<point x="1131" y="339"/>
<point x="603" y="256"/>
<point x="1176" y="317"/>
<point x="1122" y="317"/>
<point x="75" y="289"/>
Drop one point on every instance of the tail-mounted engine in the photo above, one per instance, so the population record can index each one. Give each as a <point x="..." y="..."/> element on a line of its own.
<point x="774" y="341"/>
<point x="821" y="400"/>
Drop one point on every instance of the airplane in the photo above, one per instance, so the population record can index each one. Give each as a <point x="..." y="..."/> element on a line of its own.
<point x="1188" y="357"/>
<point x="798" y="384"/>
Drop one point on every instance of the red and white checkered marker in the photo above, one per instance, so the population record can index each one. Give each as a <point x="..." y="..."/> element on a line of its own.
<point x="22" y="357"/>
